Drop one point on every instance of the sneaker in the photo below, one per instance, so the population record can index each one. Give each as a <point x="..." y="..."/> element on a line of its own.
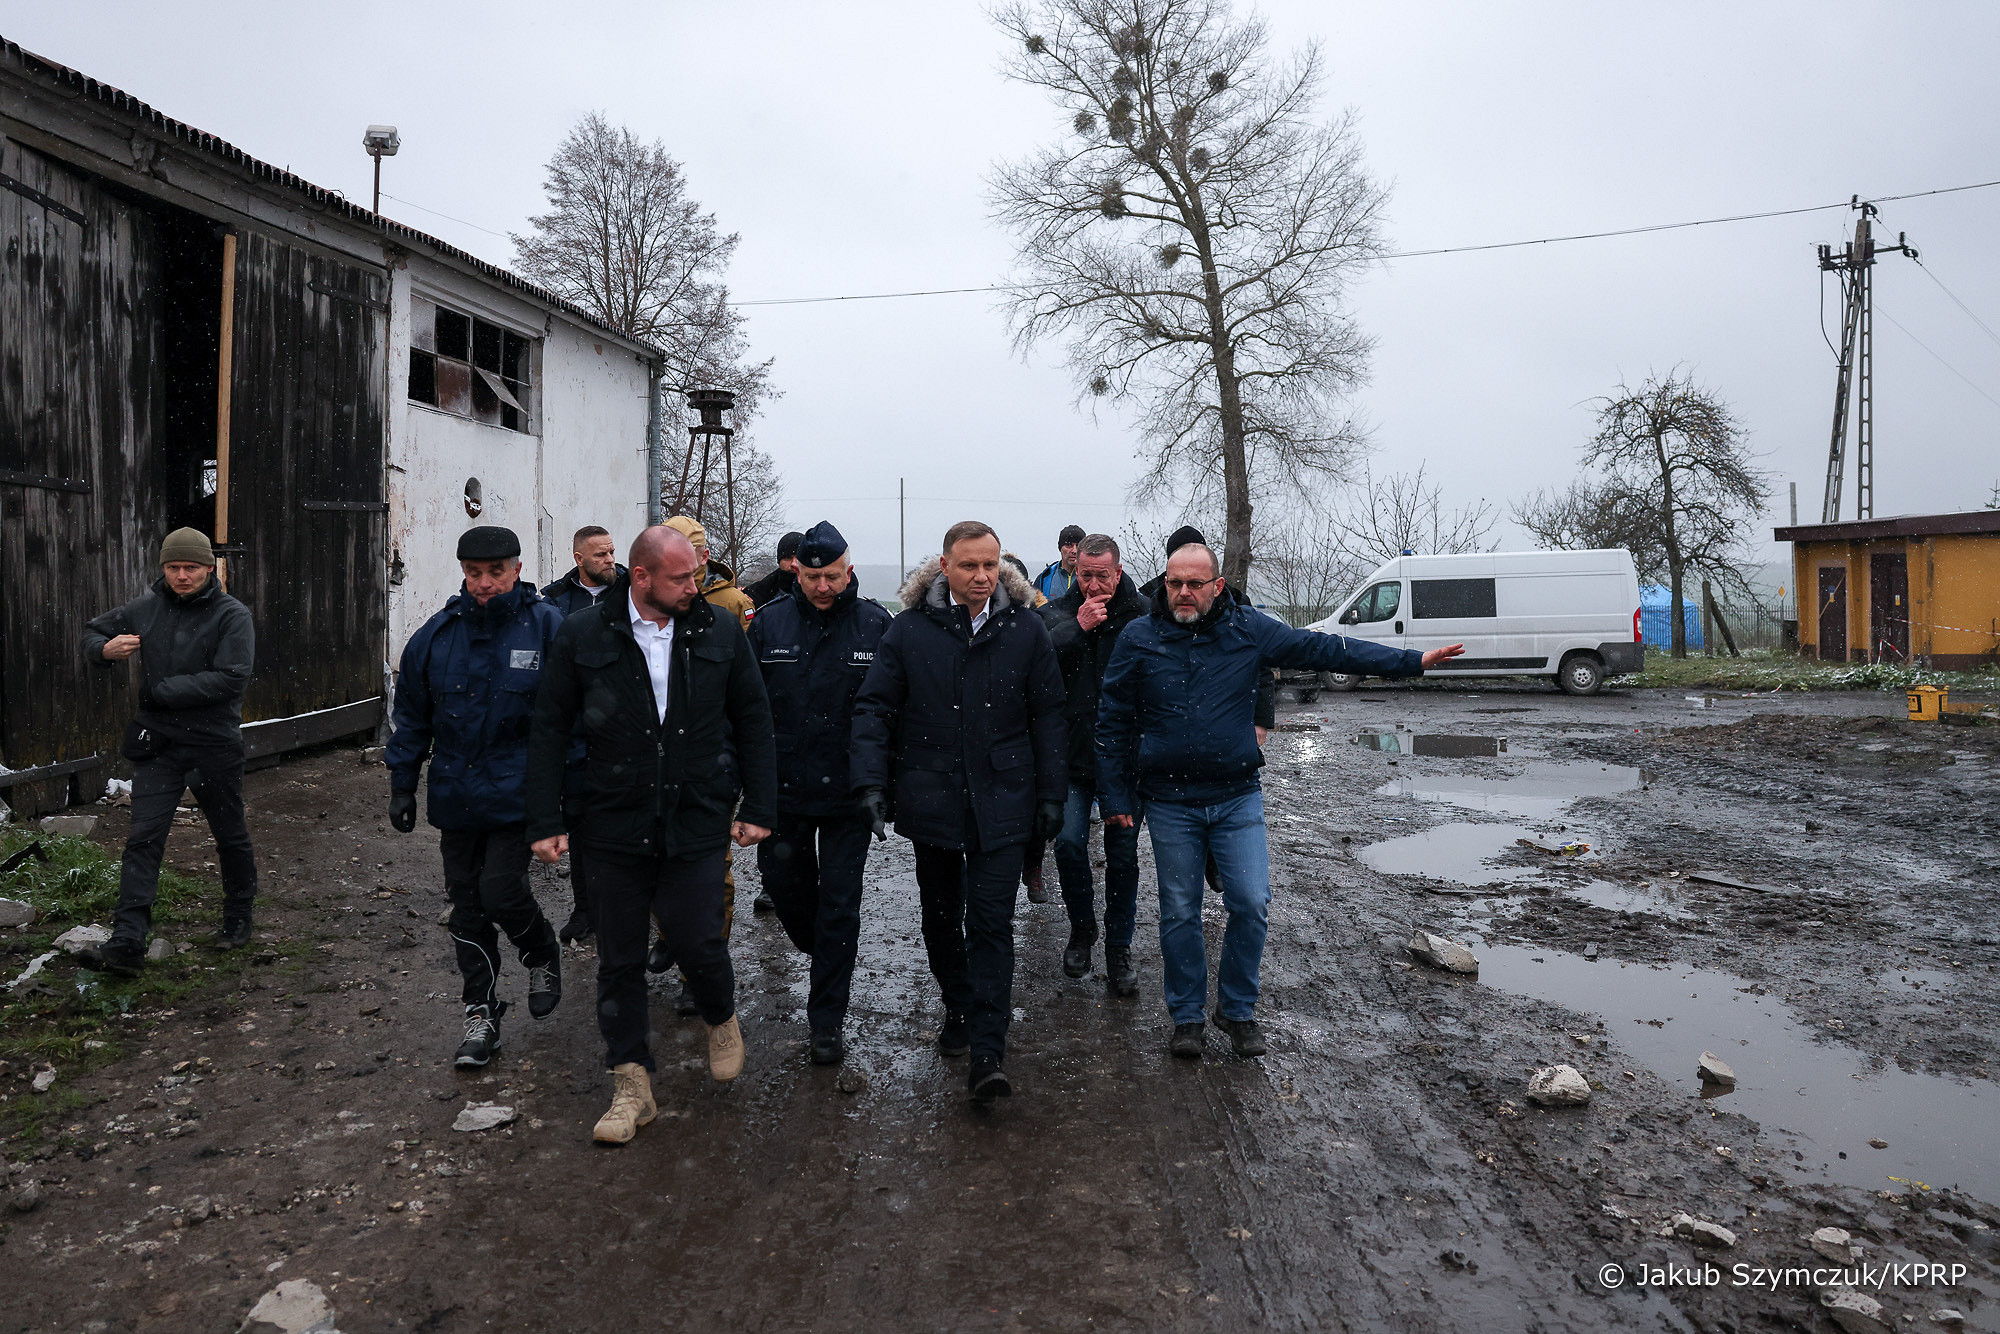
<point x="632" y="1104"/>
<point x="762" y="903"/>
<point x="987" y="1081"/>
<point x="120" y="958"/>
<point x="234" y="935"/>
<point x="1120" y="977"/>
<point x="482" y="1038"/>
<point x="827" y="1047"/>
<point x="659" y="958"/>
<point x="1076" y="955"/>
<point x="725" y="1050"/>
<point x="1038" y="889"/>
<point x="1186" y="1042"/>
<point x="1245" y="1038"/>
<point x="545" y="988"/>
<point x="578" y="927"/>
<point x="955" y="1038"/>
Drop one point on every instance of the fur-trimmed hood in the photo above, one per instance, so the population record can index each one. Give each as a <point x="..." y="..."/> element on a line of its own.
<point x="927" y="584"/>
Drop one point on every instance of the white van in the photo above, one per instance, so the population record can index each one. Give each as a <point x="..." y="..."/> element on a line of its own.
<point x="1573" y="615"/>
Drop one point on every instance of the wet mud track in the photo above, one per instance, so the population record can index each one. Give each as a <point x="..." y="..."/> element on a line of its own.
<point x="1380" y="1169"/>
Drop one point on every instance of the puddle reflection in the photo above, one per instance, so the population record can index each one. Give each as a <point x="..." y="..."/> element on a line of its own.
<point x="1632" y="898"/>
<point x="1457" y="852"/>
<point x="1539" y="790"/>
<point x="1396" y="741"/>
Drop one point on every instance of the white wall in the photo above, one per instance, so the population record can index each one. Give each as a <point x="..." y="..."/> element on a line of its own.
<point x="585" y="461"/>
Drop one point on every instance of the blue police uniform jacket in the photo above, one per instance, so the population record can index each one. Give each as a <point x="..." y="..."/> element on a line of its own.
<point x="813" y="664"/>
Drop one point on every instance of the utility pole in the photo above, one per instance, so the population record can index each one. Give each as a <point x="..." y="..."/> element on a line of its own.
<point x="902" y="564"/>
<point x="1857" y="336"/>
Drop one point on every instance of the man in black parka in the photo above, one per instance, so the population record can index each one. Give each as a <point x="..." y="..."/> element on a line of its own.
<point x="1084" y="624"/>
<point x="814" y="646"/>
<point x="958" y="737"/>
<point x="676" y="730"/>
<point x="597" y="570"/>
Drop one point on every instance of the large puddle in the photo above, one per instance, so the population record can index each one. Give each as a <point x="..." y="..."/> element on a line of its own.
<point x="1457" y="852"/>
<point x="1820" y="1099"/>
<point x="1539" y="791"/>
<point x="1645" y="898"/>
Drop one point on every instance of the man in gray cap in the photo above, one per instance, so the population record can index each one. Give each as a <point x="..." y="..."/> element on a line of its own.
<point x="195" y="646"/>
<point x="814" y="647"/>
<point x="465" y="695"/>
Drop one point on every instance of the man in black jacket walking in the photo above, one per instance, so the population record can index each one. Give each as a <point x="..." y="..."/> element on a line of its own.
<point x="814" y="647"/>
<point x="1084" y="624"/>
<point x="675" y="730"/>
<point x="195" y="645"/>
<point x="597" y="569"/>
<point x="958" y="737"/>
<point x="781" y="581"/>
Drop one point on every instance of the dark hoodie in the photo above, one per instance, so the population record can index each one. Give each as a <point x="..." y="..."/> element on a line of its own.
<point x="1082" y="655"/>
<point x="195" y="657"/>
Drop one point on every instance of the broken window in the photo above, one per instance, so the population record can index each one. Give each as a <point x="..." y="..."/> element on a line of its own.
<point x="469" y="366"/>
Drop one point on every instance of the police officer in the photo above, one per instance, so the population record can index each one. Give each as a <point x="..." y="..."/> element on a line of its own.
<point x="597" y="569"/>
<point x="814" y="647"/>
<point x="465" y="696"/>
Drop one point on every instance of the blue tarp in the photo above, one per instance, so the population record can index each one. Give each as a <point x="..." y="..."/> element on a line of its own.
<point x="1656" y="625"/>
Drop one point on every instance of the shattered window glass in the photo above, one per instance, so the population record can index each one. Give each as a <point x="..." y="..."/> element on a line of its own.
<point x="471" y="367"/>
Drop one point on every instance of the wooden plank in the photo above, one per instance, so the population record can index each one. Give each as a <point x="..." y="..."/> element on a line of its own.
<point x="278" y="735"/>
<point x="225" y="380"/>
<point x="43" y="772"/>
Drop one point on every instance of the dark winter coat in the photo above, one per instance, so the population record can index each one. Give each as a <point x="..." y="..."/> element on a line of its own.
<point x="465" y="694"/>
<point x="964" y="730"/>
<point x="1174" y="719"/>
<point x="195" y="657"/>
<point x="770" y="588"/>
<point x="1267" y="680"/>
<point x="1082" y="655"/>
<point x="813" y="663"/>
<point x="652" y="788"/>
<point x="570" y="596"/>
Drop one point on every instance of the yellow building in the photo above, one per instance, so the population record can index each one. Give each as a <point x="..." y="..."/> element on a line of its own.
<point x="1921" y="588"/>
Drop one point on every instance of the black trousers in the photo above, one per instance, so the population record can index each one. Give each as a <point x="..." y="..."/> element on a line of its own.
<point x="486" y="876"/>
<point x="812" y="867"/>
<point x="684" y="894"/>
<point x="579" y="870"/>
<point x="215" y="773"/>
<point x="968" y="907"/>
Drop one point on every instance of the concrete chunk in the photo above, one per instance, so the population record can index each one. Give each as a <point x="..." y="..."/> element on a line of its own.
<point x="1702" y="1232"/>
<point x="296" y="1306"/>
<point x="1714" y="1071"/>
<point x="1853" y="1310"/>
<point x="1441" y="953"/>
<point x="1835" y="1243"/>
<point x="13" y="912"/>
<point x="1558" y="1086"/>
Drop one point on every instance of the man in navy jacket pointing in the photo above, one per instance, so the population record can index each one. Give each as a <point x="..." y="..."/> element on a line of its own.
<point x="1175" y="729"/>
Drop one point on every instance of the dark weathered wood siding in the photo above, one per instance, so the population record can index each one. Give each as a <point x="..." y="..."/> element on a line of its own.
<point x="79" y="402"/>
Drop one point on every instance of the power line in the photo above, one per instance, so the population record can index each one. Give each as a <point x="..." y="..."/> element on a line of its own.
<point x="1935" y="357"/>
<point x="446" y="216"/>
<point x="1956" y="302"/>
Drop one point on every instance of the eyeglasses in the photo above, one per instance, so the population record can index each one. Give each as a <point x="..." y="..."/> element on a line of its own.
<point x="1189" y="585"/>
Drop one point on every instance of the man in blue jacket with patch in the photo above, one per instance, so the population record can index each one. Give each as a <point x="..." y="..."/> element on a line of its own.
<point x="465" y="696"/>
<point x="814" y="646"/>
<point x="1175" y="730"/>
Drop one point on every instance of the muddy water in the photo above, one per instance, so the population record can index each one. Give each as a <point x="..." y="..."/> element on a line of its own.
<point x="1540" y="791"/>
<point x="1455" y="852"/>
<point x="1633" y="898"/>
<point x="1816" y="1098"/>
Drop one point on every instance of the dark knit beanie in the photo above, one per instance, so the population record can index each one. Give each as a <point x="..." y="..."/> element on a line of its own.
<point x="187" y="544"/>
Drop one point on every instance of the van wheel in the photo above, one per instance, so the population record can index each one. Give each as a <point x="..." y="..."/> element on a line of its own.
<point x="1338" y="681"/>
<point x="1580" y="674"/>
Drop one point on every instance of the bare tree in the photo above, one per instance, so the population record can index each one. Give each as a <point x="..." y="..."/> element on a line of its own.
<point x="1193" y="238"/>
<point x="625" y="240"/>
<point x="1680" y="447"/>
<point x="1597" y="514"/>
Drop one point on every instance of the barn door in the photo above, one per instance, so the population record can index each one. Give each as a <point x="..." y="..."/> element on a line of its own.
<point x="307" y="509"/>
<point x="1833" y="613"/>
<point x="1889" y="606"/>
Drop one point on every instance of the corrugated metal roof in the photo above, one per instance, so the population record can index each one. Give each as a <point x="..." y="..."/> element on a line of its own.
<point x="1971" y="523"/>
<point x="203" y="142"/>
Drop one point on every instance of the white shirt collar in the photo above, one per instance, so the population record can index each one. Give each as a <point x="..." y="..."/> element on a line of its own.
<point x="632" y="605"/>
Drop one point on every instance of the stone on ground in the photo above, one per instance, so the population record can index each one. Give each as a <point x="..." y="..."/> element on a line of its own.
<point x="1835" y="1243"/>
<point x="1441" y="953"/>
<point x="296" y="1306"/>
<point x="13" y="912"/>
<point x="1702" y="1232"/>
<point x="79" y="938"/>
<point x="482" y="1116"/>
<point x="1558" y="1086"/>
<point x="1853" y="1310"/>
<point x="1714" y="1071"/>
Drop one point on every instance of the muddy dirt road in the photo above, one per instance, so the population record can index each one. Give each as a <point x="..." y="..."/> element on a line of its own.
<point x="1380" y="1169"/>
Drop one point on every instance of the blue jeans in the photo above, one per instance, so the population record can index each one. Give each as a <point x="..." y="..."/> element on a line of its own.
<point x="1184" y="837"/>
<point x="1121" y="871"/>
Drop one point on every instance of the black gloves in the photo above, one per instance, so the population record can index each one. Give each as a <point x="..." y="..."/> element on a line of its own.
<point x="1048" y="820"/>
<point x="403" y="811"/>
<point x="875" y="805"/>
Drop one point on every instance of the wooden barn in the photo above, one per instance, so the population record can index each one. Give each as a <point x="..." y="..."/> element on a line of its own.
<point x="189" y="336"/>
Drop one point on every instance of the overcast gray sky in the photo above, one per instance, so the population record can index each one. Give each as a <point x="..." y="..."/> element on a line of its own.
<point x="847" y="143"/>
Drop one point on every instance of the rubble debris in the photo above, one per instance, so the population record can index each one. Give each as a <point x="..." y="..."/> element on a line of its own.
<point x="1713" y="1070"/>
<point x="1835" y="1243"/>
<point x="851" y="1080"/>
<point x="1571" y="849"/>
<point x="1853" y="1310"/>
<point x="1878" y="1143"/>
<point x="45" y="1079"/>
<point x="70" y="826"/>
<point x="13" y="912"/>
<point x="160" y="950"/>
<point x="482" y="1116"/>
<point x="34" y="967"/>
<point x="26" y="1197"/>
<point x="1702" y="1232"/>
<point x="1441" y="953"/>
<point x="1948" y="1315"/>
<point x="18" y="858"/>
<point x="1558" y="1086"/>
<point x="296" y="1306"/>
<point x="80" y="938"/>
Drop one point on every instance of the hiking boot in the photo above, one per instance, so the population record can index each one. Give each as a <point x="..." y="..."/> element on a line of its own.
<point x="725" y="1050"/>
<point x="234" y="935"/>
<point x="1245" y="1038"/>
<point x="632" y="1104"/>
<point x="955" y="1038"/>
<point x="1186" y="1042"/>
<point x="659" y="958"/>
<point x="988" y="1081"/>
<point x="827" y="1047"/>
<point x="1076" y="954"/>
<point x="685" y="1005"/>
<point x="762" y="903"/>
<point x="578" y="927"/>
<point x="482" y="1038"/>
<point x="120" y="958"/>
<point x="1120" y="977"/>
<point x="1038" y="889"/>
<point x="545" y="988"/>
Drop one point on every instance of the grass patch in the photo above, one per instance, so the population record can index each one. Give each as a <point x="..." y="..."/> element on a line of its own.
<point x="1781" y="671"/>
<point x="70" y="1017"/>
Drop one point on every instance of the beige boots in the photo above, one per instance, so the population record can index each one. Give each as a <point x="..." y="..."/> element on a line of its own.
<point x="725" y="1050"/>
<point x="631" y="1104"/>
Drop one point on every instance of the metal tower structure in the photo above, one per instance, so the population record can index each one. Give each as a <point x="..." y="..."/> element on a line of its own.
<point x="1854" y="262"/>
